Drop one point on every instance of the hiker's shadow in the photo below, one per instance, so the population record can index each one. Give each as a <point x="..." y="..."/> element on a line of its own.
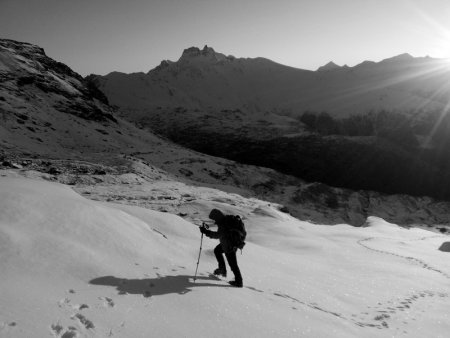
<point x="161" y="285"/>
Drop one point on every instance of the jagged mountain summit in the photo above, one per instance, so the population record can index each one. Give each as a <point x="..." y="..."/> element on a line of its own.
<point x="205" y="54"/>
<point x="193" y="56"/>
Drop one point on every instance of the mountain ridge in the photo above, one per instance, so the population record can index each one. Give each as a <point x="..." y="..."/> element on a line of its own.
<point x="203" y="78"/>
<point x="207" y="51"/>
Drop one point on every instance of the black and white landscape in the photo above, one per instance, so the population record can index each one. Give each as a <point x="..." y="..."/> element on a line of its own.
<point x="341" y="175"/>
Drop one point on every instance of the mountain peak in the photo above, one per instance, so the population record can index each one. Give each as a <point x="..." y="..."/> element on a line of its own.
<point x="207" y="52"/>
<point x="195" y="51"/>
<point x="329" y="66"/>
<point x="399" y="58"/>
<point x="24" y="48"/>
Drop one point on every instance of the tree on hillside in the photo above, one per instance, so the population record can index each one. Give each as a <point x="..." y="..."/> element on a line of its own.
<point x="325" y="124"/>
<point x="309" y="119"/>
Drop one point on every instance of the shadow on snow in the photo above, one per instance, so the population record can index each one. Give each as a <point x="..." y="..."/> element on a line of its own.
<point x="161" y="285"/>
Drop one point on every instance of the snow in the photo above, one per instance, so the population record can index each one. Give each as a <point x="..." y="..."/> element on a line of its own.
<point x="65" y="85"/>
<point x="73" y="267"/>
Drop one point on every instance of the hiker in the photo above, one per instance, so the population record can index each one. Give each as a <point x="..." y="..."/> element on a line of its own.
<point x="231" y="233"/>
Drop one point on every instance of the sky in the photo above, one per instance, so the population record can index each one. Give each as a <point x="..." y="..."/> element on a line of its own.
<point x="101" y="36"/>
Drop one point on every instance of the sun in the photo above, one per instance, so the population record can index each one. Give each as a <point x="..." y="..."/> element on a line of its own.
<point x="443" y="46"/>
<point x="433" y="32"/>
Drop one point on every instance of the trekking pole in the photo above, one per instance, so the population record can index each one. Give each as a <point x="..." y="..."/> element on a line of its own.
<point x="199" y="253"/>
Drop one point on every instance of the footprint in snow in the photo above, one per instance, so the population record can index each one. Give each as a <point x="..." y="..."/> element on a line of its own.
<point x="83" y="320"/>
<point x="58" y="331"/>
<point x="81" y="307"/>
<point x="398" y="306"/>
<point x="107" y="302"/>
<point x="4" y="326"/>
<point x="70" y="333"/>
<point x="382" y="317"/>
<point x="254" y="289"/>
<point x="64" y="303"/>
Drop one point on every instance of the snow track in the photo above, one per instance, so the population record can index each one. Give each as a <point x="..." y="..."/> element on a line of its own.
<point x="414" y="260"/>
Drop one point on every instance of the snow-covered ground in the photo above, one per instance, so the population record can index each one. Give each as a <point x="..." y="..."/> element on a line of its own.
<point x="72" y="267"/>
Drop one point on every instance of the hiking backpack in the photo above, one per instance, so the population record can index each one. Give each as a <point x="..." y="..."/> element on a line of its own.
<point x="236" y="230"/>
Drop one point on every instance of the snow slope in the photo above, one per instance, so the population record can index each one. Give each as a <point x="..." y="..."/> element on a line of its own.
<point x="72" y="267"/>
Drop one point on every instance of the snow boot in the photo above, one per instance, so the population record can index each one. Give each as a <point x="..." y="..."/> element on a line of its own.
<point x="236" y="283"/>
<point x="220" y="272"/>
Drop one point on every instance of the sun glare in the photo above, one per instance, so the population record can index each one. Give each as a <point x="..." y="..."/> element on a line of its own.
<point x="440" y="36"/>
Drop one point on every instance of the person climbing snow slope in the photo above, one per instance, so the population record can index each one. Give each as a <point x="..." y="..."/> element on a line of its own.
<point x="231" y="234"/>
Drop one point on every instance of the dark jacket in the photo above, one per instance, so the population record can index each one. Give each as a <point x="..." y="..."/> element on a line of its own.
<point x="223" y="235"/>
